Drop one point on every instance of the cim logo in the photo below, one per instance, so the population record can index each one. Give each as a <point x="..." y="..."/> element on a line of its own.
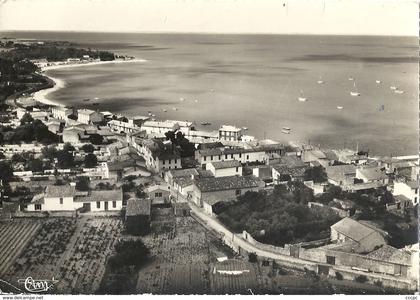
<point x="37" y="286"/>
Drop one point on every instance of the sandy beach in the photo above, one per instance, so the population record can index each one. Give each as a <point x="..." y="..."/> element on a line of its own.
<point x="41" y="96"/>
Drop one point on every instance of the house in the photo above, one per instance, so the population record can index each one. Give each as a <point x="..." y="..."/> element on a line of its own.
<point x="225" y="168"/>
<point x="409" y="189"/>
<point x="363" y="238"/>
<point x="230" y="133"/>
<point x="282" y="173"/>
<point x="318" y="156"/>
<point x="371" y="174"/>
<point x="126" y="125"/>
<point x="55" y="126"/>
<point x="88" y="116"/>
<point x="67" y="198"/>
<point x="61" y="112"/>
<point x="240" y="154"/>
<point x="74" y="135"/>
<point x="138" y="216"/>
<point x="401" y="203"/>
<point x="158" y="155"/>
<point x="317" y="188"/>
<point x="211" y="190"/>
<point x="158" y="194"/>
<point x="171" y="175"/>
<point x="159" y="128"/>
<point x="341" y="174"/>
<point x="263" y="172"/>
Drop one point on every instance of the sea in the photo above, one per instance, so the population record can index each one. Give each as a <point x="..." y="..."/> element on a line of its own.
<point x="254" y="81"/>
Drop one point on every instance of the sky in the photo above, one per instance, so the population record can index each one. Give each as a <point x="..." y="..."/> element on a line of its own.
<point x="360" y="17"/>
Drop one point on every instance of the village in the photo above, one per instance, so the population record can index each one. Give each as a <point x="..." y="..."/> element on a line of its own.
<point x="108" y="177"/>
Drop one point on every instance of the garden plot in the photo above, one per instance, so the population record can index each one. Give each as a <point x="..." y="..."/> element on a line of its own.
<point x="83" y="266"/>
<point x="180" y="259"/>
<point x="14" y="237"/>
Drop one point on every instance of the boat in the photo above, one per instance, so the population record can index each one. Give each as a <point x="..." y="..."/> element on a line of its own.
<point x="354" y="93"/>
<point x="285" y="131"/>
<point x="153" y="115"/>
<point x="351" y="78"/>
<point x="397" y="91"/>
<point x="174" y="108"/>
<point x="393" y="87"/>
<point x="286" y="128"/>
<point x="205" y="123"/>
<point x="164" y="110"/>
<point x="245" y="128"/>
<point x="339" y="107"/>
<point x="320" y="81"/>
<point x="301" y="98"/>
<point x="181" y="99"/>
<point x="378" y="81"/>
<point x="96" y="98"/>
<point x="196" y="101"/>
<point x="86" y="99"/>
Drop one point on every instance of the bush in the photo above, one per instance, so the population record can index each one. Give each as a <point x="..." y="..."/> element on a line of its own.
<point x="378" y="283"/>
<point x="252" y="257"/>
<point x="338" y="275"/>
<point x="361" y="279"/>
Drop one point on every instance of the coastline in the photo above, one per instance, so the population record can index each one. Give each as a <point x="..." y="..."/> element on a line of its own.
<point x="41" y="95"/>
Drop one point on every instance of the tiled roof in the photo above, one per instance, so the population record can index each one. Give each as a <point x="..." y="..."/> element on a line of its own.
<point x="226" y="164"/>
<point x="156" y="187"/>
<point x="413" y="184"/>
<point x="85" y="111"/>
<point x="211" y="184"/>
<point x="339" y="172"/>
<point x="95" y="196"/>
<point x="183" y="172"/>
<point x="136" y="207"/>
<point x="230" y="128"/>
<point x="210" y="145"/>
<point x="211" y="151"/>
<point x="390" y="254"/>
<point x="294" y="172"/>
<point x="353" y="229"/>
<point x="184" y="181"/>
<point x="60" y="191"/>
<point x="372" y="173"/>
<point x="38" y="199"/>
<point x="292" y="161"/>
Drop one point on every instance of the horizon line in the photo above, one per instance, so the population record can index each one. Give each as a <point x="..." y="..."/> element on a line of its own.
<point x="205" y="33"/>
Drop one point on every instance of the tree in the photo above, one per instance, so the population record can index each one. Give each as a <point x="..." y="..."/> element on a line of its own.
<point x="49" y="152"/>
<point x="140" y="192"/>
<point x="90" y="160"/>
<point x="35" y="165"/>
<point x="83" y="184"/>
<point x="88" y="148"/>
<point x="26" y="119"/>
<point x="96" y="139"/>
<point x="65" y="159"/>
<point x="316" y="174"/>
<point x="68" y="147"/>
<point x="6" y="171"/>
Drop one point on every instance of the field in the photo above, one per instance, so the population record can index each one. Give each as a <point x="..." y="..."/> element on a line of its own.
<point x="73" y="251"/>
<point x="14" y="237"/>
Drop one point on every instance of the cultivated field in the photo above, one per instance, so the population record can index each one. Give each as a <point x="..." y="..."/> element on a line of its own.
<point x="73" y="251"/>
<point x="14" y="237"/>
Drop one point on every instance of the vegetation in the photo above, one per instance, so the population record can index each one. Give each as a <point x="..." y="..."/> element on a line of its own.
<point x="279" y="218"/>
<point x="83" y="184"/>
<point x="316" y="174"/>
<point x="6" y="171"/>
<point x="90" y="160"/>
<point x="88" y="148"/>
<point x="339" y="276"/>
<point x="361" y="279"/>
<point x="178" y="139"/>
<point x="252" y="257"/>
<point x="29" y="131"/>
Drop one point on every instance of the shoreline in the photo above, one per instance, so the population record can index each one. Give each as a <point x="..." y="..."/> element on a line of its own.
<point x="41" y="95"/>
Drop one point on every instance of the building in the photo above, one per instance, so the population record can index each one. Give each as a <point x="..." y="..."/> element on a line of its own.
<point x="341" y="174"/>
<point x="158" y="155"/>
<point x="225" y="168"/>
<point x="409" y="189"/>
<point x="159" y="128"/>
<point x="61" y="112"/>
<point x="362" y="238"/>
<point x="88" y="116"/>
<point x="282" y="173"/>
<point x="67" y="198"/>
<point x="74" y="135"/>
<point x="138" y="216"/>
<point x="127" y="125"/>
<point x="211" y="190"/>
<point x="263" y="172"/>
<point x="242" y="155"/>
<point x="158" y="194"/>
<point x="230" y="133"/>
<point x="371" y="174"/>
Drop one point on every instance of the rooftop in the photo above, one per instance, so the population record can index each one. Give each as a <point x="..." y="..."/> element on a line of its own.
<point x="372" y="173"/>
<point x="156" y="187"/>
<point x="170" y="124"/>
<point x="391" y="254"/>
<point x="212" y="184"/>
<point x="292" y="171"/>
<point x="226" y="164"/>
<point x="183" y="172"/>
<point x="60" y="191"/>
<point x="95" y="196"/>
<point x="230" y="128"/>
<point x="85" y="111"/>
<point x="353" y="229"/>
<point x="413" y="184"/>
<point x="210" y="145"/>
<point x="136" y="207"/>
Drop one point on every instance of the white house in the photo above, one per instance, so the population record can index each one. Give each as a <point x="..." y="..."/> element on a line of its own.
<point x="371" y="174"/>
<point x="67" y="198"/>
<point x="225" y="168"/>
<point x="159" y="128"/>
<point x="230" y="133"/>
<point x="408" y="189"/>
<point x="88" y="116"/>
<point x="60" y="112"/>
<point x="242" y="155"/>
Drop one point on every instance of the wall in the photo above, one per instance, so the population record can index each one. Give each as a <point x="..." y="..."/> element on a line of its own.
<point x="280" y="250"/>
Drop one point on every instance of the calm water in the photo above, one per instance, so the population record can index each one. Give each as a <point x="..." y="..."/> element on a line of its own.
<point x="255" y="80"/>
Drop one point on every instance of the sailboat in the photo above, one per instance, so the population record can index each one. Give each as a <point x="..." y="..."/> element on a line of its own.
<point x="354" y="93"/>
<point x="398" y="91"/>
<point x="393" y="87"/>
<point x="285" y="130"/>
<point x="378" y="81"/>
<point x="351" y="78"/>
<point x="339" y="107"/>
<point x="301" y="97"/>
